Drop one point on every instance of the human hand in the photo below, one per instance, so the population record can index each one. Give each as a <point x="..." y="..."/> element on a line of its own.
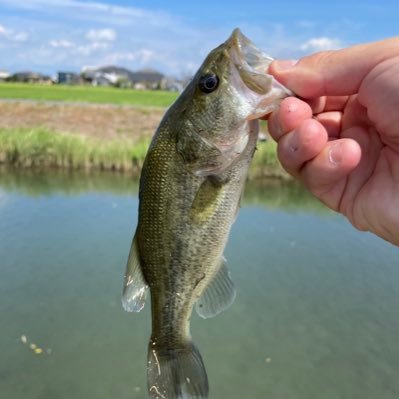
<point x="342" y="138"/>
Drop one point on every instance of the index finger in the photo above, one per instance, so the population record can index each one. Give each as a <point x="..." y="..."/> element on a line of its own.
<point x="334" y="73"/>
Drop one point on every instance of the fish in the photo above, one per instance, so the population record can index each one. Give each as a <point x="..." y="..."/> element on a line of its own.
<point x="191" y="183"/>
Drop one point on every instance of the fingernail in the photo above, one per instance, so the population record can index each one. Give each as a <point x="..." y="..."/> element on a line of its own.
<point x="284" y="65"/>
<point x="335" y="154"/>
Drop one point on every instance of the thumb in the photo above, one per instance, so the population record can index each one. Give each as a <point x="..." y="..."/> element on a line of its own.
<point x="333" y="73"/>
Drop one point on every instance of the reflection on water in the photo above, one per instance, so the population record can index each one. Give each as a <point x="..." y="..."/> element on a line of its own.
<point x="270" y="193"/>
<point x="316" y="314"/>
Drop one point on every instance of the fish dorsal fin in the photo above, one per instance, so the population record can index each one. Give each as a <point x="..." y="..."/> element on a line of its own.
<point x="135" y="287"/>
<point x="218" y="295"/>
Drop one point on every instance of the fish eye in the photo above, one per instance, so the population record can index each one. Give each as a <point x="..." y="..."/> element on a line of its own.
<point x="208" y="83"/>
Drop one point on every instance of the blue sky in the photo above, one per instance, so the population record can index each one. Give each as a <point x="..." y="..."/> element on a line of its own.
<point x="174" y="36"/>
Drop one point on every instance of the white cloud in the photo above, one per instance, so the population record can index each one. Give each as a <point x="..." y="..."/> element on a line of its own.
<point x="88" y="49"/>
<point x="12" y="35"/>
<point x="305" y="24"/>
<point x="101" y="34"/>
<point x="82" y="49"/>
<point x="61" y="44"/>
<point x="20" y="37"/>
<point x="321" y="44"/>
<point x="141" y="57"/>
<point x="72" y="33"/>
<point x="145" y="55"/>
<point x="93" y="11"/>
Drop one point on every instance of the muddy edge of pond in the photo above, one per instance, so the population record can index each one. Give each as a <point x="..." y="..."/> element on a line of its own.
<point x="94" y="137"/>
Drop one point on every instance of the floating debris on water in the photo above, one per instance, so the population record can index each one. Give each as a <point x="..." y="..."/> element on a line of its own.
<point x="35" y="348"/>
<point x="268" y="360"/>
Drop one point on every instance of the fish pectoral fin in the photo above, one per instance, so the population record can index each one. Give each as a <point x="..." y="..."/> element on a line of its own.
<point x="135" y="287"/>
<point x="218" y="295"/>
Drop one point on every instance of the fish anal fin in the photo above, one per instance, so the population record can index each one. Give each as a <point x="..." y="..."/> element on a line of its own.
<point x="135" y="287"/>
<point x="218" y="295"/>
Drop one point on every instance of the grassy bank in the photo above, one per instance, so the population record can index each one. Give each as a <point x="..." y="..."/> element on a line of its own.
<point x="43" y="148"/>
<point x="89" y="94"/>
<point x="29" y="148"/>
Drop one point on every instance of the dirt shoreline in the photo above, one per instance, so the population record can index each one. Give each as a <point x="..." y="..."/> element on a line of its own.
<point x="122" y="133"/>
<point x="104" y="121"/>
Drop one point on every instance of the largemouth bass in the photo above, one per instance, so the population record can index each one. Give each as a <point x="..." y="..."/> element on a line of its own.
<point x="190" y="188"/>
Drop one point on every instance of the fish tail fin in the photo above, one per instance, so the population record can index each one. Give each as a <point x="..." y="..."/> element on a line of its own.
<point x="176" y="373"/>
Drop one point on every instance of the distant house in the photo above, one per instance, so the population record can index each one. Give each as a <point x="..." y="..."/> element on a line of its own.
<point x="68" y="78"/>
<point x="123" y="77"/>
<point x="172" y="84"/>
<point x="115" y="71"/>
<point x="148" y="79"/>
<point x="107" y="76"/>
<point x="4" y="75"/>
<point x="87" y="74"/>
<point x="30" y="77"/>
<point x="104" y="79"/>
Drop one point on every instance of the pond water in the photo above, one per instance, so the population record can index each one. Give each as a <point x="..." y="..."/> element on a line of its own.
<point x="316" y="315"/>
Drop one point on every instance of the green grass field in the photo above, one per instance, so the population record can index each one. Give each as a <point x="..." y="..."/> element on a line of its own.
<point x="90" y="94"/>
<point x="46" y="148"/>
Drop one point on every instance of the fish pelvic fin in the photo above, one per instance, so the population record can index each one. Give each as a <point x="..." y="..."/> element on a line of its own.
<point x="218" y="295"/>
<point x="176" y="373"/>
<point x="135" y="287"/>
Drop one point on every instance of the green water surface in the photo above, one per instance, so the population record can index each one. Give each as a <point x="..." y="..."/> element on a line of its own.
<point x="316" y="315"/>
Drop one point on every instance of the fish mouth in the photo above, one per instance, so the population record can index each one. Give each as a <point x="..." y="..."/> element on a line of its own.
<point x="248" y="53"/>
<point x="252" y="65"/>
